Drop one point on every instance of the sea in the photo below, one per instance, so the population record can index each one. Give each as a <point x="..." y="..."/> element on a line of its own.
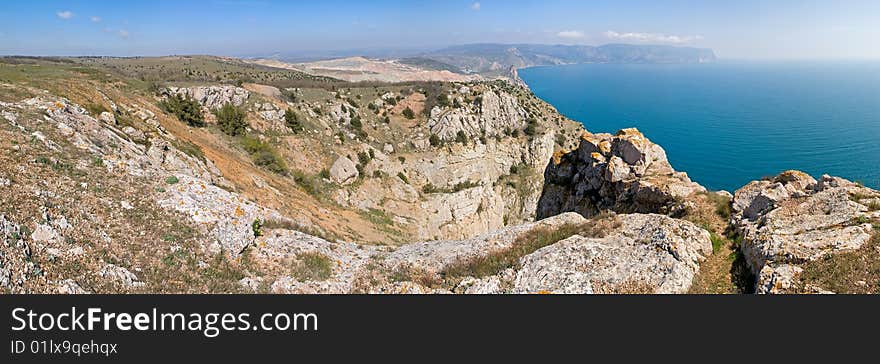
<point x="730" y="122"/>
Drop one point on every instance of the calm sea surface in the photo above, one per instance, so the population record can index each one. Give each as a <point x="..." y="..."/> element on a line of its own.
<point x="728" y="123"/>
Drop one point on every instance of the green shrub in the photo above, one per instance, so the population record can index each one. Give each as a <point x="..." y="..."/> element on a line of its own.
<point x="443" y="100"/>
<point x="434" y="140"/>
<point x="409" y="113"/>
<point x="230" y="119"/>
<point x="172" y="180"/>
<point x="257" y="228"/>
<point x="312" y="184"/>
<point x="461" y="137"/>
<point x="364" y="158"/>
<point x="264" y="155"/>
<point x="186" y="110"/>
<point x="403" y="177"/>
<point x="292" y="121"/>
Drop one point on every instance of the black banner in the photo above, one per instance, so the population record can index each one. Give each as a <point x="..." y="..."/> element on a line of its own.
<point x="130" y="328"/>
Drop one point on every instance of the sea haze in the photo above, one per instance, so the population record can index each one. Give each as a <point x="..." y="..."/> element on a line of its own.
<point x="728" y="123"/>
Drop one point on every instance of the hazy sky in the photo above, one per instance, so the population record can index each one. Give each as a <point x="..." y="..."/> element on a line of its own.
<point x="734" y="29"/>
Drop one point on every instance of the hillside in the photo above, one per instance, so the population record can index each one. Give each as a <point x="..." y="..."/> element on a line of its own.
<point x="207" y="174"/>
<point x="357" y="69"/>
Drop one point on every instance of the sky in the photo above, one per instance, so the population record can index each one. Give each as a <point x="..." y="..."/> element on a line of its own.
<point x="744" y="29"/>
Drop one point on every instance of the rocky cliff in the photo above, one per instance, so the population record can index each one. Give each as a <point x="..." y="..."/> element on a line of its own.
<point x="792" y="224"/>
<point x="423" y="188"/>
<point x="625" y="172"/>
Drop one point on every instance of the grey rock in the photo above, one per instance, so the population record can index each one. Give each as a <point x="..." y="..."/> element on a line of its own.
<point x="793" y="218"/>
<point x="648" y="253"/>
<point x="625" y="172"/>
<point x="343" y="171"/>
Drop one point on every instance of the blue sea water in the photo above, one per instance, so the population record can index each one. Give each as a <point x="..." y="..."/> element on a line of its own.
<point x="729" y="123"/>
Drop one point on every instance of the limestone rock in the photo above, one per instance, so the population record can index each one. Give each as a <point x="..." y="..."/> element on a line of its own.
<point x="69" y="286"/>
<point x="497" y="113"/>
<point x="343" y="171"/>
<point x="625" y="172"/>
<point x="648" y="253"/>
<point x="643" y="253"/>
<point x="211" y="97"/>
<point x="120" y="275"/>
<point x="107" y="117"/>
<point x="793" y="218"/>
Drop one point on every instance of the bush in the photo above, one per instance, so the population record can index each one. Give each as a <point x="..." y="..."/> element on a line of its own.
<point x="403" y="177"/>
<point x="434" y="140"/>
<point x="257" y="228"/>
<point x="409" y="113"/>
<point x="461" y="137"/>
<point x="313" y="185"/>
<point x="292" y="121"/>
<point x="364" y="158"/>
<point x="442" y="100"/>
<point x="264" y="155"/>
<point x="356" y="122"/>
<point x="230" y="119"/>
<point x="186" y="110"/>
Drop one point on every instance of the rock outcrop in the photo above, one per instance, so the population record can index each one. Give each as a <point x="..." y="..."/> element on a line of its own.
<point x="493" y="115"/>
<point x="639" y="253"/>
<point x="211" y="97"/>
<point x="648" y="253"/>
<point x="792" y="219"/>
<point x="479" y="192"/>
<point x="625" y="172"/>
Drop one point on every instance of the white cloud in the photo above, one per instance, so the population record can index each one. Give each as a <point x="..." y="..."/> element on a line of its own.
<point x="475" y="6"/>
<point x="96" y="19"/>
<point x="67" y="14"/>
<point x="122" y="33"/>
<point x="652" y="37"/>
<point x="573" y="34"/>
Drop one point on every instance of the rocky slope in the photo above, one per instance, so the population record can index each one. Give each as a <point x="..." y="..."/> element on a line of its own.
<point x="422" y="188"/>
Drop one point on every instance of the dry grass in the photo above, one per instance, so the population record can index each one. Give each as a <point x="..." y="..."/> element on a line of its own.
<point x="527" y="243"/>
<point x="311" y="266"/>
<point x="725" y="271"/>
<point x="847" y="272"/>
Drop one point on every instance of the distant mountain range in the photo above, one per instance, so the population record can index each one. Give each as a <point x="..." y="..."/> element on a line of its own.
<point x="493" y="58"/>
<point x="488" y="60"/>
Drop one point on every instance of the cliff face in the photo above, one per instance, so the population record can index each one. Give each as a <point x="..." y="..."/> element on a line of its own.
<point x="479" y="169"/>
<point x="625" y="172"/>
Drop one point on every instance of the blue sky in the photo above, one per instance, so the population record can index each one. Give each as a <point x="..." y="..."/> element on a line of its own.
<point x="759" y="29"/>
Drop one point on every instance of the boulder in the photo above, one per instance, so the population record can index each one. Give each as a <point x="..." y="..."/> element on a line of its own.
<point x="107" y="118"/>
<point x="343" y="171"/>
